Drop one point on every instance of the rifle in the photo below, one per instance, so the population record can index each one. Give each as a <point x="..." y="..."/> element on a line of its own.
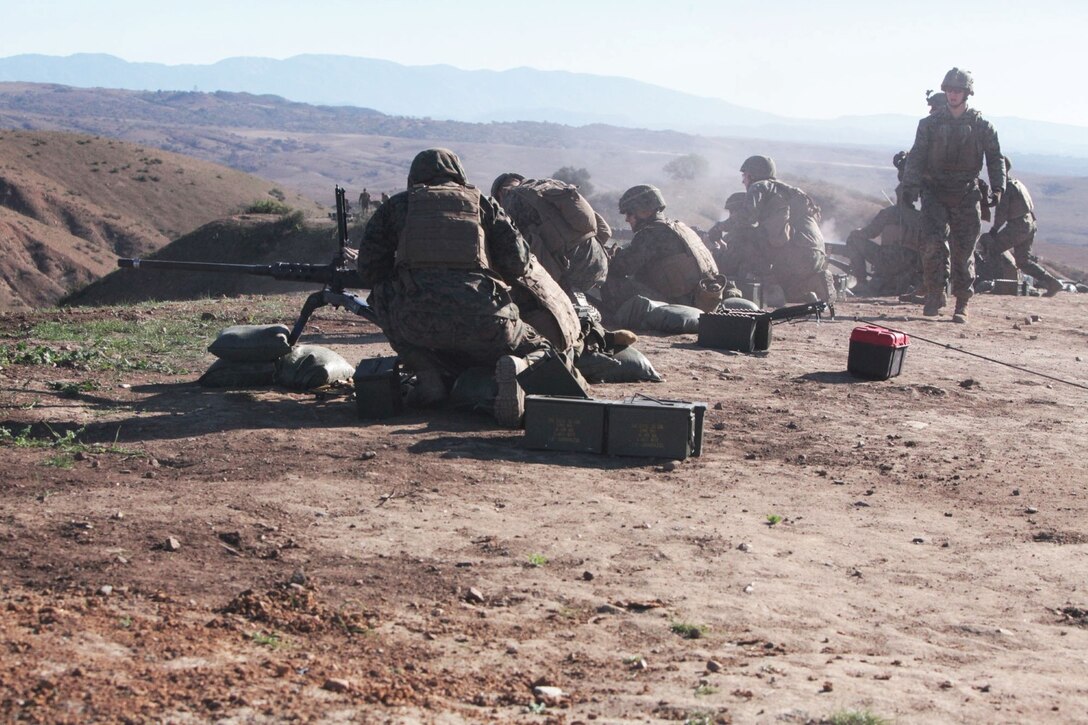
<point x="335" y="277"/>
<point x="794" y="311"/>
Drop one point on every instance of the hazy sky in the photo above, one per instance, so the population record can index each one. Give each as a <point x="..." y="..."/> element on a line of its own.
<point x="792" y="57"/>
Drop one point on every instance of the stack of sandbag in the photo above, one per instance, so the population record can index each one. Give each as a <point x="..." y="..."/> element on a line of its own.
<point x="247" y="356"/>
<point x="260" y="355"/>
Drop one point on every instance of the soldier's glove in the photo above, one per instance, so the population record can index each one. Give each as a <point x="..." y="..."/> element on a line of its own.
<point x="995" y="197"/>
<point x="909" y="195"/>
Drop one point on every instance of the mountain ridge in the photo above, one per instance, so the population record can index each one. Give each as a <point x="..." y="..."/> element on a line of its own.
<point x="524" y="94"/>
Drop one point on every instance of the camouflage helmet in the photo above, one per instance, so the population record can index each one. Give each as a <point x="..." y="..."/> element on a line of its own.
<point x="936" y="100"/>
<point x="641" y="198"/>
<point x="957" y="79"/>
<point x="899" y="159"/>
<point x="758" y="168"/>
<point x="735" y="201"/>
<point x="504" y="180"/>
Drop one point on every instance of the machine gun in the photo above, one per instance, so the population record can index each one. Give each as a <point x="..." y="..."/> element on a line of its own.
<point x="335" y="277"/>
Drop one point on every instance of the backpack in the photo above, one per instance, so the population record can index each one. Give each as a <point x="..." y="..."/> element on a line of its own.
<point x="563" y="216"/>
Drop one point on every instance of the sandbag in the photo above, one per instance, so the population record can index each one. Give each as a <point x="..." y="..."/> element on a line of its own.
<point x="642" y="313"/>
<point x="232" y="374"/>
<point x="311" y="366"/>
<point x="251" y="343"/>
<point x="673" y="319"/>
<point x="628" y="365"/>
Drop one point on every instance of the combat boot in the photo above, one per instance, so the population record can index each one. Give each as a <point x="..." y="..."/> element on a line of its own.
<point x="619" y="338"/>
<point x="934" y="303"/>
<point x="509" y="407"/>
<point x="1053" y="286"/>
<point x="960" y="315"/>
<point x="429" y="390"/>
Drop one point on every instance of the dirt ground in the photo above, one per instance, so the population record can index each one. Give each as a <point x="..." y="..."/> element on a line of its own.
<point x="911" y="549"/>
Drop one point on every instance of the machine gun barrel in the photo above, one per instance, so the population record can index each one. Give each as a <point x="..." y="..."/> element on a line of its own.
<point x="325" y="274"/>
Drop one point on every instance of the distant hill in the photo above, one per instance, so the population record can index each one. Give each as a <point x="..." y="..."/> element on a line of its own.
<point x="520" y="94"/>
<point x="71" y="204"/>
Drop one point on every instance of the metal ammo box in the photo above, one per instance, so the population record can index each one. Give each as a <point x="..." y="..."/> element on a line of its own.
<point x="740" y="330"/>
<point x="641" y="426"/>
<point x="377" y="388"/>
<point x="559" y="423"/>
<point x="1007" y="287"/>
<point x="637" y="426"/>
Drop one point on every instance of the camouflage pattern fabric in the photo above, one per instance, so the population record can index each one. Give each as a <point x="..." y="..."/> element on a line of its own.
<point x="635" y="269"/>
<point x="943" y="166"/>
<point x="446" y="319"/>
<point x="795" y="252"/>
<point x="896" y="264"/>
<point x="1014" y="229"/>
<point x="577" y="264"/>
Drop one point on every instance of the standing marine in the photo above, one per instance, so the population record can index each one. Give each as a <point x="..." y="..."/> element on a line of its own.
<point x="949" y="150"/>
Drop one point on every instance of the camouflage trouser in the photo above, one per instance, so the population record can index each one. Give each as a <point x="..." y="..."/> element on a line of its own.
<point x="801" y="273"/>
<point x="453" y="343"/>
<point x="1017" y="235"/>
<point x="949" y="235"/>
<point x="587" y="267"/>
<point x="616" y="291"/>
<point x="896" y="269"/>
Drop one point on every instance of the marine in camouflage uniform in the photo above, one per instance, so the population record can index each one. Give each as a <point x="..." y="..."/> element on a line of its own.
<point x="579" y="263"/>
<point x="897" y="266"/>
<point x="666" y="260"/>
<point x="949" y="149"/>
<point x="786" y="222"/>
<point x="438" y="259"/>
<point x="1014" y="229"/>
<point x="735" y="246"/>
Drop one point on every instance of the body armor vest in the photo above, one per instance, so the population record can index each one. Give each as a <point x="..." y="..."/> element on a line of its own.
<point x="443" y="229"/>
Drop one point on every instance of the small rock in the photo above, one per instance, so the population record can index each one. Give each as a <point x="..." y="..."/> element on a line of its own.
<point x="1031" y="510"/>
<point x="587" y="576"/>
<point x="171" y="544"/>
<point x="334" y="684"/>
<point x="969" y="383"/>
<point x="1016" y="492"/>
<point x="231" y="538"/>
<point x="105" y="590"/>
<point x="549" y="695"/>
<point x="474" y="596"/>
<point x="669" y="466"/>
<point x="368" y="455"/>
<point x="718" y="406"/>
<point x="511" y="649"/>
<point x="742" y="546"/>
<point x="713" y="666"/>
<point x="610" y="609"/>
<point x="917" y="540"/>
<point x="299" y="577"/>
<point x="748" y="589"/>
